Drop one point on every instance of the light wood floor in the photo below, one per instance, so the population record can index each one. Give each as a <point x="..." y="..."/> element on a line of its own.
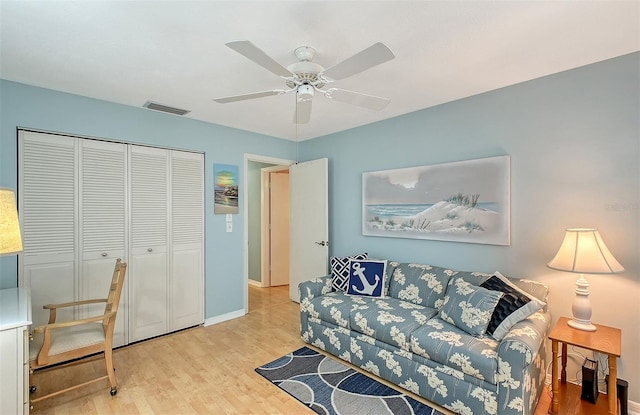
<point x="204" y="370"/>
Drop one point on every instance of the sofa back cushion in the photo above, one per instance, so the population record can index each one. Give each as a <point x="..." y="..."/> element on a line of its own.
<point x="420" y="284"/>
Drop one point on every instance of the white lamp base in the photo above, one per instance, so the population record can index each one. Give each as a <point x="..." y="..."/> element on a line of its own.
<point x="581" y="307"/>
<point x="581" y="326"/>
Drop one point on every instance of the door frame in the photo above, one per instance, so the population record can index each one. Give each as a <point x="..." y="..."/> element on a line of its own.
<point x="279" y="163"/>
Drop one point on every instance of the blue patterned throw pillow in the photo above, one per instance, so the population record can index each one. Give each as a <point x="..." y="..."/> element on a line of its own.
<point x="340" y="270"/>
<point x="469" y="307"/>
<point x="367" y="277"/>
<point x="514" y="306"/>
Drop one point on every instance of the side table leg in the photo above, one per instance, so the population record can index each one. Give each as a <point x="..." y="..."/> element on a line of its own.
<point x="555" y="387"/>
<point x="613" y="385"/>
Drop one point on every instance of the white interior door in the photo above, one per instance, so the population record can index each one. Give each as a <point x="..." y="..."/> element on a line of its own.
<point x="309" y="223"/>
<point x="279" y="227"/>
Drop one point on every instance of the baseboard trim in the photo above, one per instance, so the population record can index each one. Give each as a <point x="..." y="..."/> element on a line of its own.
<point x="633" y="407"/>
<point x="224" y="317"/>
<point x="255" y="283"/>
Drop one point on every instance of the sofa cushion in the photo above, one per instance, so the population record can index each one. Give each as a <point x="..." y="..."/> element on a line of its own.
<point x="336" y="307"/>
<point x="448" y="345"/>
<point x="534" y="288"/>
<point x="514" y="306"/>
<point x="340" y="270"/>
<point x="390" y="320"/>
<point x="469" y="307"/>
<point x="367" y="277"/>
<point x="420" y="284"/>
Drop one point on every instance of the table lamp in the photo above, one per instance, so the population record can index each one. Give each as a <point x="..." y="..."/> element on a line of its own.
<point x="583" y="251"/>
<point x="10" y="240"/>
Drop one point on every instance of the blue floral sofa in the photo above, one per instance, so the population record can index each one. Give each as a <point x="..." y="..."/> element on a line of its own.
<point x="406" y="338"/>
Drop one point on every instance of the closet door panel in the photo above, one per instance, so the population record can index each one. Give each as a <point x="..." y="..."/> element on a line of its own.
<point x="48" y="194"/>
<point x="187" y="220"/>
<point x="103" y="171"/>
<point x="52" y="283"/>
<point x="148" y="309"/>
<point x="187" y="293"/>
<point x="102" y="196"/>
<point x="48" y="212"/>
<point x="96" y="280"/>
<point x="148" y="298"/>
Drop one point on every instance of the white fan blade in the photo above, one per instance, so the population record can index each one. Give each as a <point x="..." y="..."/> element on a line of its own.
<point x="252" y="52"/>
<point x="356" y="98"/>
<point x="303" y="111"/>
<point x="253" y="95"/>
<point x="361" y="61"/>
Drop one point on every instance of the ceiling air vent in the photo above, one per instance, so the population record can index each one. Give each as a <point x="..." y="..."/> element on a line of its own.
<point x="164" y="108"/>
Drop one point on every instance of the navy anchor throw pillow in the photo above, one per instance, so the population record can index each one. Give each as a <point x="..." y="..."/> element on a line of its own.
<point x="366" y="277"/>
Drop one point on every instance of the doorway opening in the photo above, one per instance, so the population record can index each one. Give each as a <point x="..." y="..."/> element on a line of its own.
<point x="266" y="256"/>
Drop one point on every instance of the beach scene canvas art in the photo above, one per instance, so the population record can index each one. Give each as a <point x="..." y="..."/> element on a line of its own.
<point x="225" y="189"/>
<point x="465" y="201"/>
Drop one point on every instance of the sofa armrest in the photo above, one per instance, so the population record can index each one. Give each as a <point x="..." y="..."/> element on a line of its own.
<point x="521" y="367"/>
<point x="308" y="290"/>
<point x="314" y="288"/>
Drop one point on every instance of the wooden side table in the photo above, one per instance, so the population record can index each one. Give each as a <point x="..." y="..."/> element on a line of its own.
<point x="607" y="340"/>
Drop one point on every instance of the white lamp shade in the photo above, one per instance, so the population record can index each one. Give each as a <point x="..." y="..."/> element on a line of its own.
<point x="583" y="251"/>
<point x="10" y="239"/>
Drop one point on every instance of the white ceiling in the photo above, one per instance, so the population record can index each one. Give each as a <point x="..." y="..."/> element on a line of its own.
<point x="174" y="53"/>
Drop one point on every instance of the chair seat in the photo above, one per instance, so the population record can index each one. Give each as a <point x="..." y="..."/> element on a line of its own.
<point x="69" y="338"/>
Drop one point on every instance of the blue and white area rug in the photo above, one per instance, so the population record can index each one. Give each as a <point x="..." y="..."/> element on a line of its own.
<point x="328" y="387"/>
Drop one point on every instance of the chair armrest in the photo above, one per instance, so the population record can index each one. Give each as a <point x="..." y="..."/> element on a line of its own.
<point x="53" y="307"/>
<point x="53" y="326"/>
<point x="74" y="303"/>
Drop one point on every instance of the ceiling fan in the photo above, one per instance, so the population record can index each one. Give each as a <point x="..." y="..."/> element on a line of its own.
<point x="306" y="77"/>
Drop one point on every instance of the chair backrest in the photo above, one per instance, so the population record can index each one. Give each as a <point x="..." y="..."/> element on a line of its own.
<point x="117" y="281"/>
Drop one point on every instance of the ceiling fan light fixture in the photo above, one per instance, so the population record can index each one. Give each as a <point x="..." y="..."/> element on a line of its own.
<point x="305" y="53"/>
<point x="304" y="93"/>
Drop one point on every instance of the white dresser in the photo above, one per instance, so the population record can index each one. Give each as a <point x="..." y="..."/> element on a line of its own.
<point x="15" y="319"/>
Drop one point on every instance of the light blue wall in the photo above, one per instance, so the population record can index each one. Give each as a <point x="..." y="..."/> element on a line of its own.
<point x="31" y="107"/>
<point x="574" y="143"/>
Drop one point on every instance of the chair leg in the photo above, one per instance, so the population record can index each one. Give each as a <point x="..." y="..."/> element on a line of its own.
<point x="111" y="373"/>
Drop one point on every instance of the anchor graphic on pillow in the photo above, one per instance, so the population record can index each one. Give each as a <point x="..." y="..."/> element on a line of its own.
<point x="368" y="288"/>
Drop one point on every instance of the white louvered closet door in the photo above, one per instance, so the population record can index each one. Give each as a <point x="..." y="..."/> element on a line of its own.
<point x="48" y="209"/>
<point x="186" y="286"/>
<point x="148" y="265"/>
<point x="103" y="172"/>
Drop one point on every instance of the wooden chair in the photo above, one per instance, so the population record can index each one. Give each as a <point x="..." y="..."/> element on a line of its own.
<point x="57" y="343"/>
